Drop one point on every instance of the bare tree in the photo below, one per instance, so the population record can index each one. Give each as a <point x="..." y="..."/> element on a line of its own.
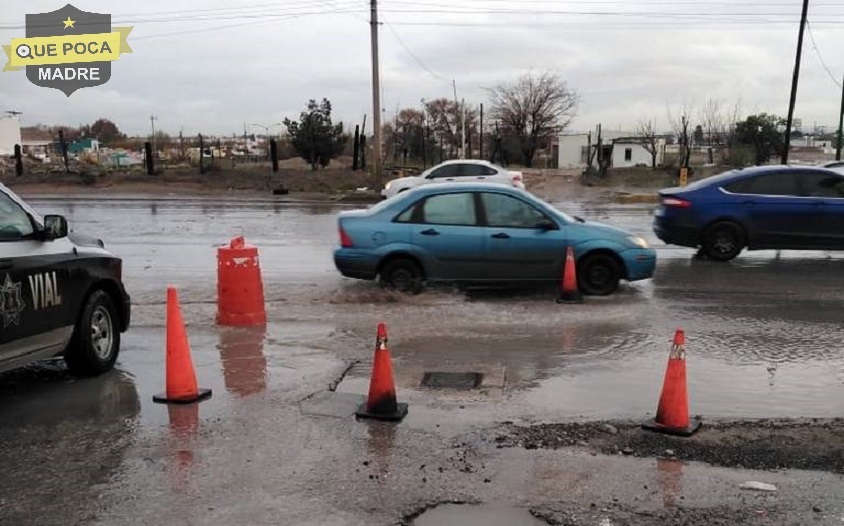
<point x="680" y="124"/>
<point x="678" y="118"/>
<point x="535" y="107"/>
<point x="728" y="126"/>
<point x="646" y="136"/>
<point x="711" y="121"/>
<point x="446" y="119"/>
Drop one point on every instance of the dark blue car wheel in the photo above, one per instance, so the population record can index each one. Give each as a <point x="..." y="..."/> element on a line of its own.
<point x="598" y="275"/>
<point x="723" y="241"/>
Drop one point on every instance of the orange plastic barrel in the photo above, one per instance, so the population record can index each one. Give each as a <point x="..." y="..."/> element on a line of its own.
<point x="240" y="289"/>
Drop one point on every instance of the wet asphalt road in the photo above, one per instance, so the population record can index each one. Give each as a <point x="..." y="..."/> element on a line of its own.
<point x="273" y="446"/>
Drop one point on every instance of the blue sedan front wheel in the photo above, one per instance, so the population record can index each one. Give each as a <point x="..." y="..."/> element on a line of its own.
<point x="598" y="275"/>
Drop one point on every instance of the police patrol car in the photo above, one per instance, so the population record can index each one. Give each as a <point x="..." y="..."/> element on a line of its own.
<point x="60" y="293"/>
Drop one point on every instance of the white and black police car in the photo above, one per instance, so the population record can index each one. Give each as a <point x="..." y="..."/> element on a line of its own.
<point x="61" y="294"/>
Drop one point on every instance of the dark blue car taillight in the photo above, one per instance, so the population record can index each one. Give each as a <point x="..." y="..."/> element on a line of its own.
<point x="675" y="202"/>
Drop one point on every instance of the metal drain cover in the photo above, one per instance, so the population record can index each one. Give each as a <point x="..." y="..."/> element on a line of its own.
<point x="437" y="380"/>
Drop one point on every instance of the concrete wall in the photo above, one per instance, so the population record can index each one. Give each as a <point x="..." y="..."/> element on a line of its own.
<point x="10" y="134"/>
<point x="570" y="153"/>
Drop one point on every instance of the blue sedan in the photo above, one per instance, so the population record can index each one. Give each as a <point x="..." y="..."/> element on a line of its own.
<point x="483" y="233"/>
<point x="766" y="207"/>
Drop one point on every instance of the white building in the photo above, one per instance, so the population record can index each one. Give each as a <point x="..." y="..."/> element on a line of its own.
<point x="572" y="149"/>
<point x="628" y="152"/>
<point x="10" y="134"/>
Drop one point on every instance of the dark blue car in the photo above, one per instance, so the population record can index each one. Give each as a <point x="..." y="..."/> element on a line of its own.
<point x="765" y="207"/>
<point x="483" y="233"/>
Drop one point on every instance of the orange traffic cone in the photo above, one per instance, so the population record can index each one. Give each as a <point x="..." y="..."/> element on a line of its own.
<point x="181" y="378"/>
<point x="569" y="292"/>
<point x="672" y="415"/>
<point x="381" y="403"/>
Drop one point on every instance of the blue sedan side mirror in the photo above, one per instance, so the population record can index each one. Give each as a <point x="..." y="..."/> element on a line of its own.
<point x="547" y="224"/>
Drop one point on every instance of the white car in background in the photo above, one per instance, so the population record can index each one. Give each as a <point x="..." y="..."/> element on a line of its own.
<point x="457" y="171"/>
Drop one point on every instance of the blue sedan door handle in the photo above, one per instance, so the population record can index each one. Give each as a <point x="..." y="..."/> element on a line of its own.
<point x="430" y="232"/>
<point x="501" y="235"/>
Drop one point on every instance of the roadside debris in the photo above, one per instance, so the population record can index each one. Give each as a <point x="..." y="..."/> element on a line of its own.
<point x="758" y="486"/>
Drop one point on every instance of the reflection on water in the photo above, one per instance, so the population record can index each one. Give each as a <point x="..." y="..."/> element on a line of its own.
<point x="184" y="429"/>
<point x="670" y="480"/>
<point x="61" y="435"/>
<point x="242" y="358"/>
<point x="380" y="443"/>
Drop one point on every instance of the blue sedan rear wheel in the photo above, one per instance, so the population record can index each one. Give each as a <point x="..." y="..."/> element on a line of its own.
<point x="598" y="275"/>
<point x="723" y="241"/>
<point x="402" y="274"/>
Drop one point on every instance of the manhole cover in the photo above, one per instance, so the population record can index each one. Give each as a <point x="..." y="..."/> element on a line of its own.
<point x="452" y="380"/>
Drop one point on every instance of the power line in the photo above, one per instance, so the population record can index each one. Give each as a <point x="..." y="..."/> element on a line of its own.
<point x="820" y="56"/>
<point x="646" y="2"/>
<point x="412" y="54"/>
<point x="351" y="7"/>
<point x="346" y="7"/>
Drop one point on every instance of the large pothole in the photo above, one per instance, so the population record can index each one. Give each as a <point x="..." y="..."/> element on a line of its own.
<point x="476" y="515"/>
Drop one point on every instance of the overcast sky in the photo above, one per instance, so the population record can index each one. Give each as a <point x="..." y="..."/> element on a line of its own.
<point x="209" y="66"/>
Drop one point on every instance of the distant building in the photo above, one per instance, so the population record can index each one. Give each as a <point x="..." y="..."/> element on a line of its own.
<point x="573" y="149"/>
<point x="122" y="158"/>
<point x="10" y="134"/>
<point x="83" y="145"/>
<point x="629" y="151"/>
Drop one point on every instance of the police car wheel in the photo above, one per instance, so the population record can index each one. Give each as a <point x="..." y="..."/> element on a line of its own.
<point x="96" y="338"/>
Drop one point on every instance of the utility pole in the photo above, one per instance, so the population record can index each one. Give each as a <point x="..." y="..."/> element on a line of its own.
<point x="481" y="144"/>
<point x="794" y="82"/>
<point x="456" y="112"/>
<point x="463" y="132"/>
<point x="152" y="120"/>
<point x="376" y="94"/>
<point x="840" y="124"/>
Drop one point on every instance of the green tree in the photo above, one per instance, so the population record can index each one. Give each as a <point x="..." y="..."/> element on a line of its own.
<point x="106" y="131"/>
<point x="314" y="137"/>
<point x="761" y="133"/>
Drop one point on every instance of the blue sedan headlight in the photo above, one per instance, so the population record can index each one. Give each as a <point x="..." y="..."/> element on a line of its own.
<point x="638" y="241"/>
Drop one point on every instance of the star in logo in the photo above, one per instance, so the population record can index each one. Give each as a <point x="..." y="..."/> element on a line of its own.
<point x="69" y="23"/>
<point x="11" y="303"/>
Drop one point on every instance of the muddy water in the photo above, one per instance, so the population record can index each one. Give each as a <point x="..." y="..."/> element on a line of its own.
<point x="764" y="331"/>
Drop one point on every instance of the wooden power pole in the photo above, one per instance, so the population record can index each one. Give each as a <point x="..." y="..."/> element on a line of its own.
<point x="794" y="83"/>
<point x="840" y="124"/>
<point x="376" y="95"/>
